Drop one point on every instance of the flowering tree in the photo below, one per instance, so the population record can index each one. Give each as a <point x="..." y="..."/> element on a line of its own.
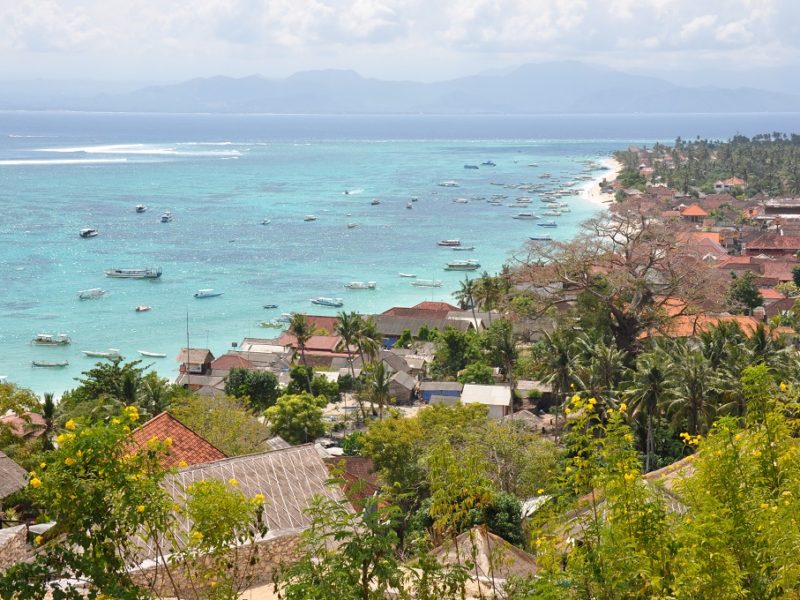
<point x="111" y="511"/>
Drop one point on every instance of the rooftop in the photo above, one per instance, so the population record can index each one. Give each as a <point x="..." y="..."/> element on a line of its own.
<point x="491" y="395"/>
<point x="12" y="477"/>
<point x="187" y="446"/>
<point x="197" y="356"/>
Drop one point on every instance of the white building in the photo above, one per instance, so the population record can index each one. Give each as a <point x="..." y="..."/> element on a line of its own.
<point x="497" y="397"/>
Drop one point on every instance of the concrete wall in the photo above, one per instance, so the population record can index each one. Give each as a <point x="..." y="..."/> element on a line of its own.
<point x="14" y="546"/>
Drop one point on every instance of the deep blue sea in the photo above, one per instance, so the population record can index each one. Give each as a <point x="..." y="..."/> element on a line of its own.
<point x="221" y="176"/>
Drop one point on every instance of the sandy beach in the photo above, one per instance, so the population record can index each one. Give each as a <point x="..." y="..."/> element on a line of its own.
<point x="592" y="192"/>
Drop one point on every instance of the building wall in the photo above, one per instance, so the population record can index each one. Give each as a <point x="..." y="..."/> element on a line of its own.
<point x="426" y="394"/>
<point x="13" y="546"/>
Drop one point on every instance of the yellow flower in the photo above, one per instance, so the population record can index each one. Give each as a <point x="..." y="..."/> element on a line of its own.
<point x="576" y="399"/>
<point x="540" y="491"/>
<point x="258" y="498"/>
<point x="140" y="508"/>
<point x="79" y="453"/>
<point x="197" y="536"/>
<point x="60" y="438"/>
<point x="787" y="493"/>
<point x="35" y="482"/>
<point x="213" y="584"/>
<point x="69" y="461"/>
<point x="183" y="464"/>
<point x="115" y="421"/>
<point x="756" y="453"/>
<point x="568" y="469"/>
<point x="567" y="411"/>
<point x="623" y="407"/>
<point x="42" y="465"/>
<point x="629" y="437"/>
<point x="784" y="387"/>
<point x="70" y="425"/>
<point x="233" y="482"/>
<point x="32" y="474"/>
<point x="38" y="540"/>
<point x="592" y="401"/>
<point x="168" y="442"/>
<point x="764" y="505"/>
<point x="629" y="476"/>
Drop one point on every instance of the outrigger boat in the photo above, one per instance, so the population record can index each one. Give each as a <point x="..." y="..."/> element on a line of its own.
<point x="48" y="363"/>
<point x="152" y="354"/>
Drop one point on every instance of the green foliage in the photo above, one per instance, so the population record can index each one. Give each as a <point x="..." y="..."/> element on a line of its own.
<point x="258" y="388"/>
<point x="17" y="399"/>
<point x="224" y="421"/>
<point x="405" y="339"/>
<point x="454" y="351"/>
<point x="322" y="386"/>
<point x="743" y="293"/>
<point x="477" y="373"/>
<point x="351" y="443"/>
<point x="297" y="418"/>
<point x="104" y="495"/>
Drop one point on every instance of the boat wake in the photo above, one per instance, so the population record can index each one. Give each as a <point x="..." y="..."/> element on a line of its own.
<point x="61" y="161"/>
<point x="143" y="150"/>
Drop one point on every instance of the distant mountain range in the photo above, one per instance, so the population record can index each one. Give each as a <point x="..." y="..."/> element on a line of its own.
<point x="562" y="87"/>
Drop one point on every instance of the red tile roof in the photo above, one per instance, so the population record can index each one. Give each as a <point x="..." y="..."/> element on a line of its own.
<point x="24" y="425"/>
<point x="226" y="362"/>
<point x="417" y="313"/>
<point x="693" y="210"/>
<point x="437" y="306"/>
<point x="187" y="446"/>
<point x="770" y="294"/>
<point x="322" y="323"/>
<point x="692" y="325"/>
<point x="773" y="241"/>
<point x="316" y="343"/>
<point x="734" y="182"/>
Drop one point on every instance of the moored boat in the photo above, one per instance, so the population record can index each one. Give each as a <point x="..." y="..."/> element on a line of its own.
<point x="166" y="217"/>
<point x="207" y="293"/>
<point x="452" y="184"/>
<point x="273" y="324"/>
<point x="270" y="306"/>
<point x="409" y="206"/>
<point x="152" y="354"/>
<point x="91" y="294"/>
<point x="110" y="353"/>
<point x="46" y="339"/>
<point x="548" y="224"/>
<point x="145" y="273"/>
<point x="88" y="232"/>
<point x="140" y="208"/>
<point x="488" y="163"/>
<point x="266" y="221"/>
<point x="325" y="301"/>
<point x="460" y="201"/>
<point x="448" y="243"/>
<point x="375" y="202"/>
<point x="540" y="238"/>
<point x="526" y="216"/>
<point x="406" y="274"/>
<point x="472" y="167"/>
<point x="142" y="308"/>
<point x="432" y="283"/>
<point x="360" y="285"/>
<point x="50" y="363"/>
<point x="463" y="265"/>
<point x="352" y="225"/>
<point x="463" y="248"/>
<point x="310" y="218"/>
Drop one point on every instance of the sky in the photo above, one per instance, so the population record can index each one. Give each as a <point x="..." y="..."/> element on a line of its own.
<point x="151" y="41"/>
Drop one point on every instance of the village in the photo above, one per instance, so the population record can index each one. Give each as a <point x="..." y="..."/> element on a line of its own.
<point x="594" y="403"/>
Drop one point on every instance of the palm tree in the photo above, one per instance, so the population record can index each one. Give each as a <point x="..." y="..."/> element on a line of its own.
<point x="487" y="293"/>
<point x="377" y="386"/>
<point x="695" y="387"/>
<point x="465" y="296"/>
<point x="650" y="388"/>
<point x="347" y="327"/>
<point x="48" y="413"/>
<point x="302" y="330"/>
<point x="601" y="365"/>
<point x="368" y="339"/>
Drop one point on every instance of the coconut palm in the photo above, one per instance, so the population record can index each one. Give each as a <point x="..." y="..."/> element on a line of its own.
<point x="48" y="413"/>
<point x="558" y="363"/>
<point x="650" y="388"/>
<point x="695" y="387"/>
<point x="377" y="383"/>
<point x="600" y="366"/>
<point x="347" y="327"/>
<point x="302" y="330"/>
<point x="465" y="296"/>
<point x="368" y="339"/>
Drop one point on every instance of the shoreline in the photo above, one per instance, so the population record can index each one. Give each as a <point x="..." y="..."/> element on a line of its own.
<point x="592" y="192"/>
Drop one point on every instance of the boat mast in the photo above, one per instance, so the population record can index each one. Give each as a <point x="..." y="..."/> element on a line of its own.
<point x="188" y="376"/>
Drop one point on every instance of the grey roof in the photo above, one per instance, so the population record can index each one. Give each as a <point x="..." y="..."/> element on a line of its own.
<point x="12" y="477"/>
<point x="527" y="385"/>
<point x="404" y="379"/>
<point x="394" y="326"/>
<point x="446" y="400"/>
<point x="195" y="356"/>
<point x="427" y="386"/>
<point x="287" y="478"/>
<point x="278" y="443"/>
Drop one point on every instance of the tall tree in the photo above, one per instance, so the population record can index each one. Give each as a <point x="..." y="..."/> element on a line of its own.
<point x="649" y="390"/>
<point x="377" y="383"/>
<point x="347" y="327"/>
<point x="465" y="295"/>
<point x="302" y="330"/>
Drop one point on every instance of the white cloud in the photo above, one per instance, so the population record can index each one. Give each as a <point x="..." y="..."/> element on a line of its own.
<point x="698" y="26"/>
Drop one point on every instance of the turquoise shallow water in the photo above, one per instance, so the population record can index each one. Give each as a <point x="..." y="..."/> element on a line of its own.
<point x="221" y="177"/>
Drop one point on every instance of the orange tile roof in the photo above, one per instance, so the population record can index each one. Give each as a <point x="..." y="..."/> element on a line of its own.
<point x="318" y="343"/>
<point x="693" y="210"/>
<point x="705" y="235"/>
<point x="770" y="294"/>
<point x="24" y="425"/>
<point x="437" y="306"/>
<point x="187" y="446"/>
<point x="322" y="323"/>
<point x="226" y="362"/>
<point x="692" y="325"/>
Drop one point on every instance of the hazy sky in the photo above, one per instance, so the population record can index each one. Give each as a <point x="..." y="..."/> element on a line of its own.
<point x="167" y="40"/>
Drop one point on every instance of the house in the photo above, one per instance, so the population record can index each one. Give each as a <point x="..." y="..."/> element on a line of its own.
<point x="683" y="326"/>
<point x="773" y="244"/>
<point x="232" y="360"/>
<point x="319" y="350"/>
<point x="497" y="397"/>
<point x="401" y="387"/>
<point x="206" y="384"/>
<point x="423" y="310"/>
<point x="693" y="213"/>
<point x="188" y="447"/>
<point x="12" y="477"/>
<point x="391" y="327"/>
<point x="195" y="361"/>
<point x="450" y="389"/>
<point x="726" y="185"/>
<point x="26" y="425"/>
<point x="289" y="480"/>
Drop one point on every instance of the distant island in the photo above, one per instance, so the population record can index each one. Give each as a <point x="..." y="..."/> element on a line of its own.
<point x="545" y="88"/>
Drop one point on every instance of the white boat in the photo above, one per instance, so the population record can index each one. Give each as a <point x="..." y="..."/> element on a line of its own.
<point x="432" y="283"/>
<point x="540" y="238"/>
<point x="450" y="184"/>
<point x="526" y="216"/>
<point x="49" y="363"/>
<point x="414" y="199"/>
<point x="310" y="218"/>
<point x="140" y="208"/>
<point x="552" y="213"/>
<point x="46" y="339"/>
<point x="270" y="306"/>
<point x="460" y="201"/>
<point x="91" y="294"/>
<point x="207" y="293"/>
<point x="142" y="308"/>
<point x="266" y="222"/>
<point x="406" y="274"/>
<point x="273" y="324"/>
<point x="489" y="163"/>
<point x="463" y="248"/>
<point x="324" y="301"/>
<point x="111" y="353"/>
<point x="375" y="202"/>
<point x="88" y="232"/>
<point x="166" y="217"/>
<point x="145" y="273"/>
<point x="548" y="224"/>
<point x="448" y="243"/>
<point x="360" y="285"/>
<point x="463" y="265"/>
<point x="352" y="225"/>
<point x="409" y="206"/>
<point x="152" y="354"/>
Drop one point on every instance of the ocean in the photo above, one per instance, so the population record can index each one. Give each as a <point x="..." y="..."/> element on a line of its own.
<point x="222" y="176"/>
